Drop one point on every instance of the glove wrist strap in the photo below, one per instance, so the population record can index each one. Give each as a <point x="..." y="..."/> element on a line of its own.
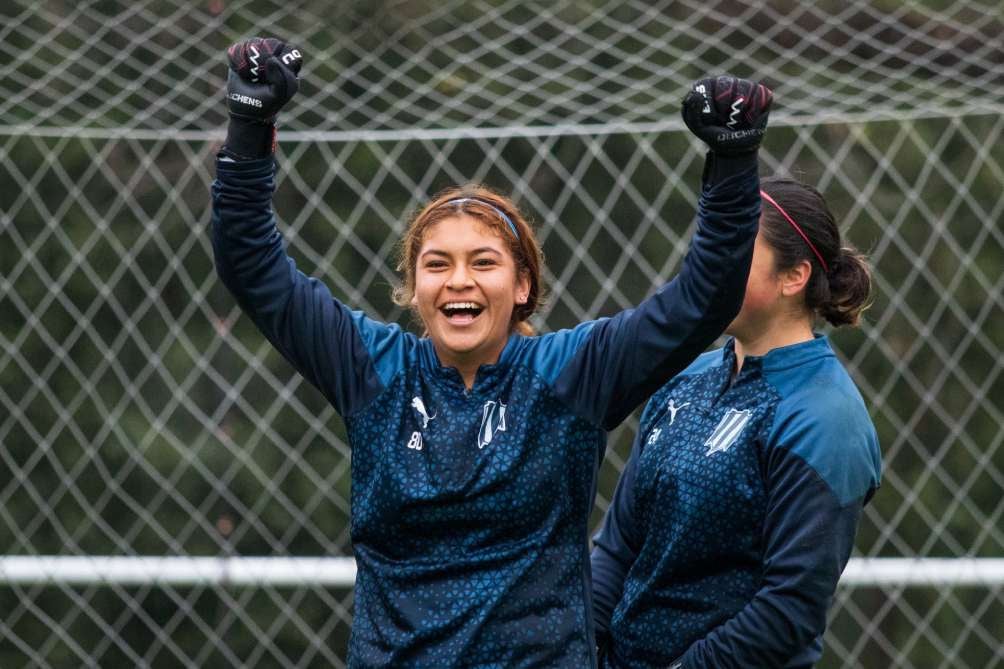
<point x="249" y="139"/>
<point x="717" y="167"/>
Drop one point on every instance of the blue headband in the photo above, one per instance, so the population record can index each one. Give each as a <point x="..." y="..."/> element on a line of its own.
<point x="461" y="200"/>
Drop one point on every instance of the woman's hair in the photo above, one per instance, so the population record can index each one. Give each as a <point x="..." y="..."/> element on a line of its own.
<point x="839" y="287"/>
<point x="496" y="212"/>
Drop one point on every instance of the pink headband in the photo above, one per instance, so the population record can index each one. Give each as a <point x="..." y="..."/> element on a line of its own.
<point x="795" y="225"/>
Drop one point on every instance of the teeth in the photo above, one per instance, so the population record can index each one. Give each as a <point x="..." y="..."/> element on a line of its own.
<point x="460" y="305"/>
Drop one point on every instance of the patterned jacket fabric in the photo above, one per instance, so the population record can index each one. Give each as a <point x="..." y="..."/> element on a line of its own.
<point x="736" y="513"/>
<point x="470" y="506"/>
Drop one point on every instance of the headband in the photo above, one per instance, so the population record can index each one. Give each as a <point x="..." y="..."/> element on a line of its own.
<point x="798" y="229"/>
<point x="461" y="200"/>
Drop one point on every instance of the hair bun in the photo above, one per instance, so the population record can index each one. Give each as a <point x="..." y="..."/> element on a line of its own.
<point x="849" y="281"/>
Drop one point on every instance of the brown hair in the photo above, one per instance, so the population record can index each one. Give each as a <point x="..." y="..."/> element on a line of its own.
<point x="497" y="213"/>
<point x="839" y="288"/>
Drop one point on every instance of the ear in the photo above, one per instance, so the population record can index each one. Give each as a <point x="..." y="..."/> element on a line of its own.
<point x="795" y="279"/>
<point x="414" y="299"/>
<point x="522" y="288"/>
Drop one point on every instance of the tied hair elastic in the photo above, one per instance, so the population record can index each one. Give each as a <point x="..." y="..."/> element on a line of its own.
<point x="502" y="215"/>
<point x="798" y="229"/>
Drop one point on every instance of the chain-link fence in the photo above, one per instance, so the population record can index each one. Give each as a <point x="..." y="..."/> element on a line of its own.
<point x="141" y="415"/>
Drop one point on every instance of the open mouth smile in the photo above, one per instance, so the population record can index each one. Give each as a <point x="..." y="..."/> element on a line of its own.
<point x="461" y="313"/>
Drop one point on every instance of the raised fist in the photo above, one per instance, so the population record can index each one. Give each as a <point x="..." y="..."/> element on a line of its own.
<point x="728" y="114"/>
<point x="262" y="78"/>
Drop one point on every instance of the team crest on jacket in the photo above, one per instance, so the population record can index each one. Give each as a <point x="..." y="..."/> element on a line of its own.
<point x="492" y="422"/>
<point x="728" y="430"/>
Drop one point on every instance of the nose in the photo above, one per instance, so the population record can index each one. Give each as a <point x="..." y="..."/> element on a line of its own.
<point x="459" y="278"/>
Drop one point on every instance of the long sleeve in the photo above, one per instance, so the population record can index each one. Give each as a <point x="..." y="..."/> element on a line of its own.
<point x="624" y="359"/>
<point x="347" y="356"/>
<point x="811" y="519"/>
<point x="615" y="547"/>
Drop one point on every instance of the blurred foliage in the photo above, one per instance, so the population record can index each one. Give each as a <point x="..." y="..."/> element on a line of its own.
<point x="143" y="416"/>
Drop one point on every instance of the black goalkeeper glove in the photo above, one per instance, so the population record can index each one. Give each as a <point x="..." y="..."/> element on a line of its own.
<point x="261" y="78"/>
<point x="728" y="114"/>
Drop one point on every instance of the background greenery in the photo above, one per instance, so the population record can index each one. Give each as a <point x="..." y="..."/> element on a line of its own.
<point x="141" y="415"/>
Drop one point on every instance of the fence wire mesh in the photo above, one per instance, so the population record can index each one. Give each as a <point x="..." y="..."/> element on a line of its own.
<point x="140" y="414"/>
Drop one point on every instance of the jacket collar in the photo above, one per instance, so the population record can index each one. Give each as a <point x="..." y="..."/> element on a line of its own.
<point x="784" y="356"/>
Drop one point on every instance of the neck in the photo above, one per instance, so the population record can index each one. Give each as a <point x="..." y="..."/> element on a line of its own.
<point x="467" y="364"/>
<point x="764" y="341"/>
<point x="467" y="373"/>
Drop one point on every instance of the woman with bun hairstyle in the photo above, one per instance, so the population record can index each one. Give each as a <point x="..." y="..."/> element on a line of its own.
<point x="737" y="510"/>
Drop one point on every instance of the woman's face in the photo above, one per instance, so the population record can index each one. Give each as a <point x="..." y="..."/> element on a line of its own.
<point x="763" y="294"/>
<point x="466" y="286"/>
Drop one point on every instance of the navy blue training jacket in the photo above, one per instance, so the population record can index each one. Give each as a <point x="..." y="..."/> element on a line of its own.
<point x="736" y="514"/>
<point x="470" y="507"/>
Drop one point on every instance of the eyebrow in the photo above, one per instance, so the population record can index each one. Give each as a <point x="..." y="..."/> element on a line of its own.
<point x="474" y="252"/>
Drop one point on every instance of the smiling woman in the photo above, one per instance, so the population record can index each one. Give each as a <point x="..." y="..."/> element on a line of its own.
<point x="476" y="445"/>
<point x="471" y="267"/>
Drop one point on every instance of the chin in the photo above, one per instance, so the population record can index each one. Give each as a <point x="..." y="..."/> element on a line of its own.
<point x="459" y="348"/>
<point x="462" y="344"/>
